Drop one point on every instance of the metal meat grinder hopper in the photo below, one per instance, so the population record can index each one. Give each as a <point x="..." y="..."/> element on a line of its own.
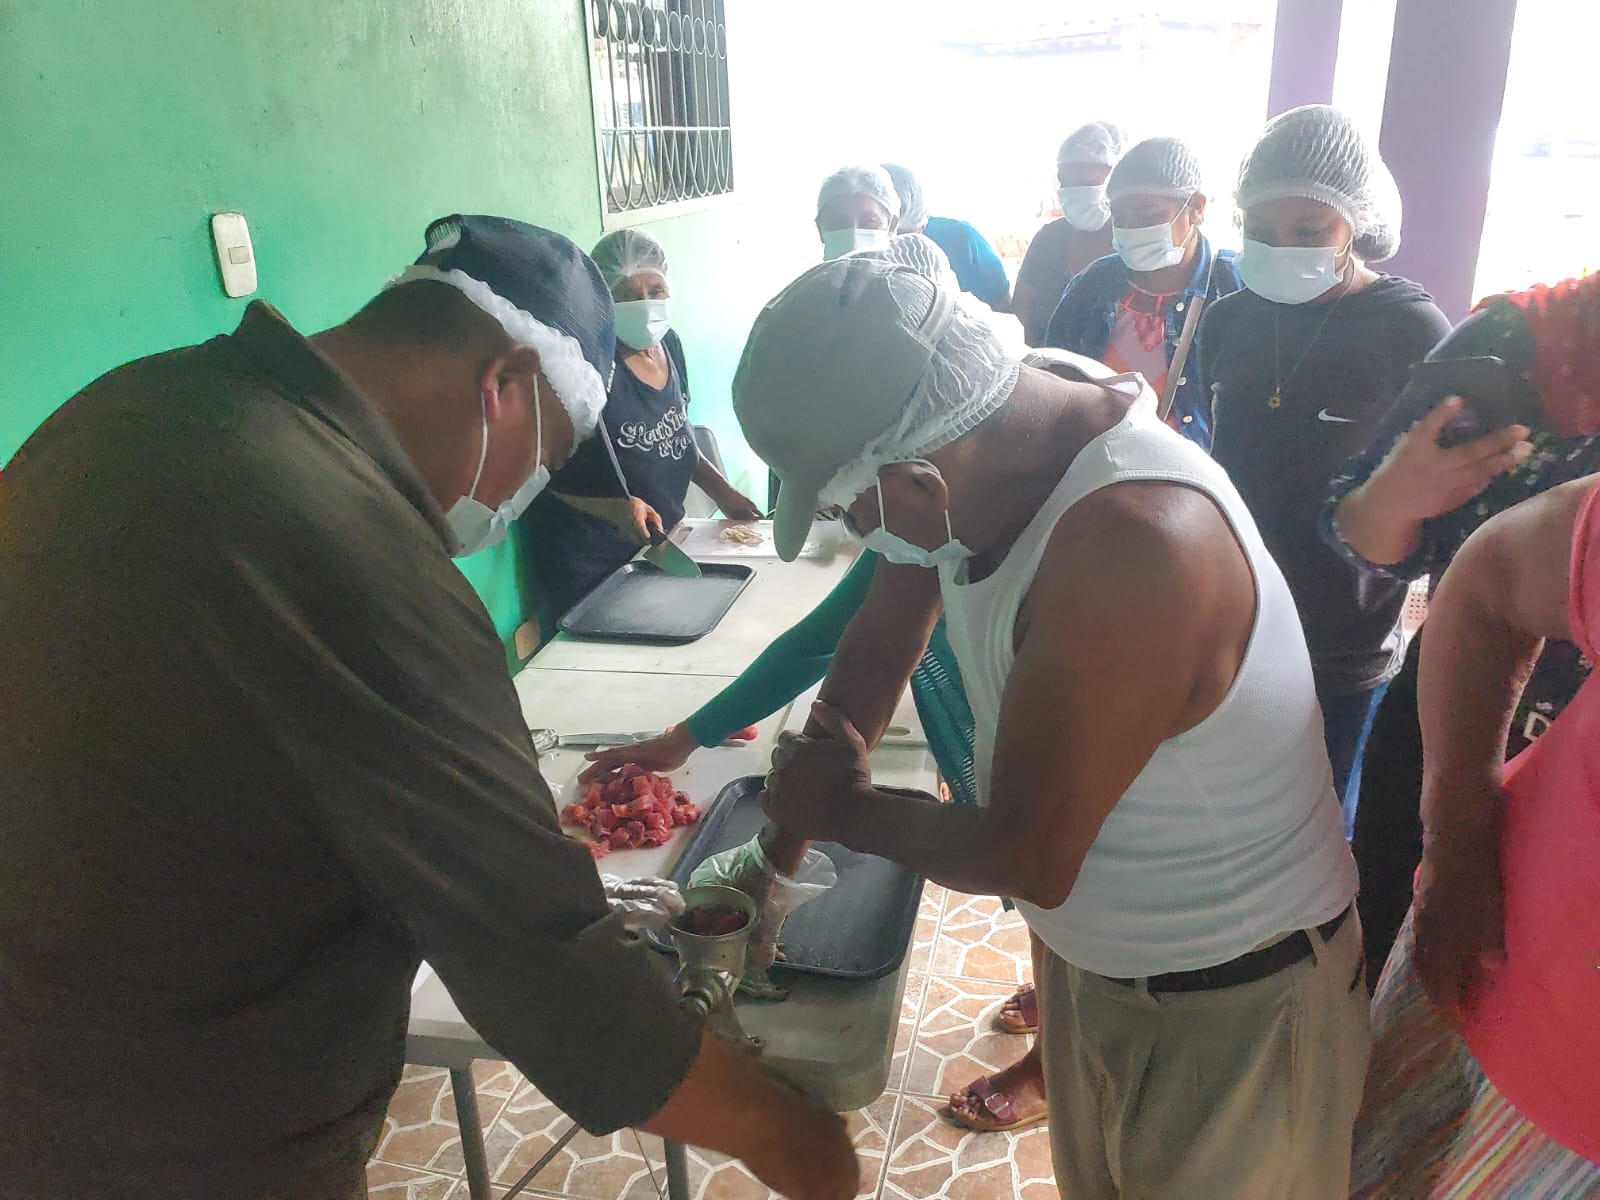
<point x="710" y="967"/>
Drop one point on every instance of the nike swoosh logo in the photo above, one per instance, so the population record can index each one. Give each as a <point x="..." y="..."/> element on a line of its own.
<point x="1325" y="415"/>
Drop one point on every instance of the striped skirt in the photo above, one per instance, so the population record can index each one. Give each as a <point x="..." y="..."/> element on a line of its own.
<point x="1432" y="1126"/>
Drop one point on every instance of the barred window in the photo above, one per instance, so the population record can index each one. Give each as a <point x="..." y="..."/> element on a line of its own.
<point x="659" y="70"/>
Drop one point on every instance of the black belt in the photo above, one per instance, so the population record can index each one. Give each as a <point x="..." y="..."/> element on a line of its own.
<point x="1247" y="968"/>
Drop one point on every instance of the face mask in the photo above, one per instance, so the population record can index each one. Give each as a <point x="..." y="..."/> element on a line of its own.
<point x="1150" y="247"/>
<point x="643" y="323"/>
<point x="896" y="549"/>
<point x="1084" y="207"/>
<point x="475" y="524"/>
<point x="1289" y="274"/>
<point x="836" y="243"/>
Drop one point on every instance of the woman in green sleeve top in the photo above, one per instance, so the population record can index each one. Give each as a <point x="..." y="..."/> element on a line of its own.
<point x="798" y="658"/>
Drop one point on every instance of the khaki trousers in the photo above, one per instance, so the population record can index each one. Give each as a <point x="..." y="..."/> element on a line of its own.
<point x="1244" y="1093"/>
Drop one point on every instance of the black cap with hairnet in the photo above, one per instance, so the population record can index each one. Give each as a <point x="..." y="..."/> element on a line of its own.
<point x="544" y="291"/>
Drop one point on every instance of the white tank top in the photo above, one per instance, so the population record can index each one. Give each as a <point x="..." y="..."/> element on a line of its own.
<point x="1231" y="835"/>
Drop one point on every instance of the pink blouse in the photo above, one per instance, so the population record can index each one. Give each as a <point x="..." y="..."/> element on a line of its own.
<point x="1534" y="1025"/>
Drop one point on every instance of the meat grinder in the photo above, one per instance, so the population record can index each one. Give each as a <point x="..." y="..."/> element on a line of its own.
<point x="710" y="966"/>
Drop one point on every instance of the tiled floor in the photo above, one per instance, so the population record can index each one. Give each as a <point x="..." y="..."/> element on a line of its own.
<point x="967" y="957"/>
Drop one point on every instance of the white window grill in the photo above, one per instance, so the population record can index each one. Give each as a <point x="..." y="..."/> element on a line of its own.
<point x="659" y="70"/>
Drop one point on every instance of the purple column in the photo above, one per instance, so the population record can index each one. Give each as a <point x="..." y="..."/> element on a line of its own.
<point x="1447" y="79"/>
<point x="1305" y="49"/>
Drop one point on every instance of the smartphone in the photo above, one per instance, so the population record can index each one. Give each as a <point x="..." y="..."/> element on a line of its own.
<point x="1484" y="385"/>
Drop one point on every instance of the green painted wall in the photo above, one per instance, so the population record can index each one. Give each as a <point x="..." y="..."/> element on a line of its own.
<point x="340" y="128"/>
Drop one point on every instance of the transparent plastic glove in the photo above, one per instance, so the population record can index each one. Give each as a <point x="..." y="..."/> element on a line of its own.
<point x="775" y="894"/>
<point x="643" y="903"/>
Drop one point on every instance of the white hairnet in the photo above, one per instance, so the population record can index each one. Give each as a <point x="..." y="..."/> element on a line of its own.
<point x="913" y="208"/>
<point x="1160" y="166"/>
<point x="623" y="253"/>
<point x="969" y="377"/>
<point x="1319" y="153"/>
<point x="860" y="181"/>
<point x="1098" y="143"/>
<point x="922" y="254"/>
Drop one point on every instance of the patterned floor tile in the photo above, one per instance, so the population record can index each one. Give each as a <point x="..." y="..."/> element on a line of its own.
<point x="591" y="1168"/>
<point x="906" y="1038"/>
<point x="420" y="1128"/>
<point x="390" y="1181"/>
<point x="926" y="935"/>
<point x="933" y="1158"/>
<point x="980" y="940"/>
<point x="957" y="1040"/>
<point x="715" y="1177"/>
<point x="611" y="1168"/>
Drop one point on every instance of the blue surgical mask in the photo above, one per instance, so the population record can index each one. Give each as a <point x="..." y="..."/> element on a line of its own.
<point x="475" y="524"/>
<point x="1150" y="247"/>
<point x="836" y="243"/>
<point x="1289" y="274"/>
<point x="1085" y="206"/>
<point x="641" y="324"/>
<point x="896" y="549"/>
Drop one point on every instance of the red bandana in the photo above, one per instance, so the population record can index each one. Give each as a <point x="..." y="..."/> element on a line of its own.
<point x="1564" y="319"/>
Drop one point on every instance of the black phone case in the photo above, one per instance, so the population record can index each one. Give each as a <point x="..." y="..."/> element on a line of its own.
<point x="1484" y="385"/>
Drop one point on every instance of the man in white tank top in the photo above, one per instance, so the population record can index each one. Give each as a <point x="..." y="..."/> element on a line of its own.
<point x="1156" y="795"/>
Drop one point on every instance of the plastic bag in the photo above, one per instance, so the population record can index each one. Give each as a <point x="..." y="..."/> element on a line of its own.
<point x="775" y="894"/>
<point x="645" y="903"/>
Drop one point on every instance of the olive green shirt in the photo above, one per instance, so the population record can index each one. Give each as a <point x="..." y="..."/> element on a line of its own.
<point x="259" y="756"/>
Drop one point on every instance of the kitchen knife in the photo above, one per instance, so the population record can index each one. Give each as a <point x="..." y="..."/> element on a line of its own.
<point x="667" y="556"/>
<point x="545" y="740"/>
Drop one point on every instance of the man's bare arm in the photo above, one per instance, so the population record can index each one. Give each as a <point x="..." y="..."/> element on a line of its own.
<point x="1133" y="629"/>
<point x="871" y="665"/>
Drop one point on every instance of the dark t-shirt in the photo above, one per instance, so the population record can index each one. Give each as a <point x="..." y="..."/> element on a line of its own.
<point x="648" y="438"/>
<point x="1057" y="253"/>
<point x="1296" y="390"/>
<point x="260" y="755"/>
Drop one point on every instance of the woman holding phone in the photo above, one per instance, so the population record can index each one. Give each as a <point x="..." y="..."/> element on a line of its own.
<point x="1402" y="509"/>
<point x="1304" y="366"/>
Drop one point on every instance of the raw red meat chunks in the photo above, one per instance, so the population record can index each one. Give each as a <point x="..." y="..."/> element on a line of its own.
<point x="633" y="809"/>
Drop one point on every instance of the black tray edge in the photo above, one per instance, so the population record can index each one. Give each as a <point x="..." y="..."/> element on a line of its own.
<point x="578" y="611"/>
<point x="711" y="821"/>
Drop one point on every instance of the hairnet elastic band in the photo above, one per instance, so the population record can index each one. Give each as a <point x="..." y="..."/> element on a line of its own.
<point x="1161" y="191"/>
<point x="576" y="382"/>
<point x="1248" y="198"/>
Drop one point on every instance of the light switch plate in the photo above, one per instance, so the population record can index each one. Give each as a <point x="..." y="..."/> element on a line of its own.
<point x="236" y="257"/>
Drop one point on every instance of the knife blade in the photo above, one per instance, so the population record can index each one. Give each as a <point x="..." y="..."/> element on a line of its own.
<point x="604" y="739"/>
<point x="669" y="557"/>
<point x="545" y="740"/>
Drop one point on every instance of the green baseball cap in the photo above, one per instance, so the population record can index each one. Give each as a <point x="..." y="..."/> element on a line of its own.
<point x="830" y="367"/>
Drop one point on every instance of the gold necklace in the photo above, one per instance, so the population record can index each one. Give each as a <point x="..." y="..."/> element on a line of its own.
<point x="1276" y="399"/>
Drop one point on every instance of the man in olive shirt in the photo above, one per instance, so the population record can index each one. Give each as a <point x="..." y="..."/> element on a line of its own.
<point x="260" y="754"/>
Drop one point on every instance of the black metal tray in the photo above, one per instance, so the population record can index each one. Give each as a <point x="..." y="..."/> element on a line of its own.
<point x="639" y="602"/>
<point x="859" y="929"/>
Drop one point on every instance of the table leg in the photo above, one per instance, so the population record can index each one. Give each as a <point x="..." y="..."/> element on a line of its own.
<point x="471" y="1124"/>
<point x="677" y="1170"/>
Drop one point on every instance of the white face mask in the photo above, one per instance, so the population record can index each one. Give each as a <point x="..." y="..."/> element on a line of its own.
<point x="1084" y="207"/>
<point x="475" y="524"/>
<point x="1150" y="247"/>
<point x="836" y="243"/>
<point x="1289" y="274"/>
<point x="896" y="549"/>
<point x="643" y="323"/>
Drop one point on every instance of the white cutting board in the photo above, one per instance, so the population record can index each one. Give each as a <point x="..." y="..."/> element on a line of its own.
<point x="702" y="538"/>
<point x="626" y="702"/>
<point x="905" y="727"/>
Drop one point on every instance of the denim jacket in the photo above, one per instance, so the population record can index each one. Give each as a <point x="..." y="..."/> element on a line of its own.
<point x="1083" y="320"/>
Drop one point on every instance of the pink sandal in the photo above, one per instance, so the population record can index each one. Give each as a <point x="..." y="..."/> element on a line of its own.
<point x="996" y="1112"/>
<point x="1026" y="1001"/>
